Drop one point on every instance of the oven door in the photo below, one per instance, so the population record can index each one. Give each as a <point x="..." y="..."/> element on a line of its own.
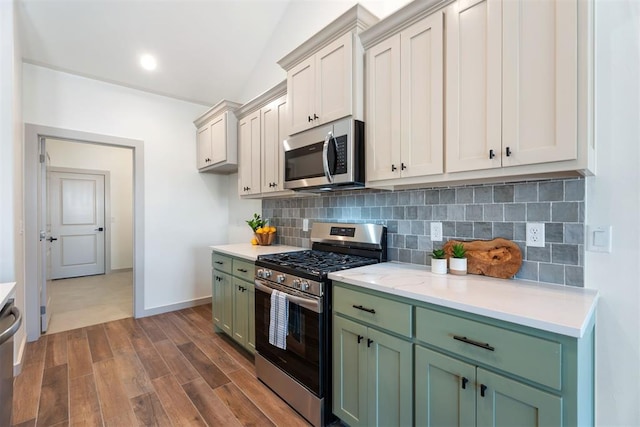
<point x="305" y="338"/>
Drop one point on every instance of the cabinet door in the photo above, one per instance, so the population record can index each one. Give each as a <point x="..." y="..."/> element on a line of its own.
<point x="251" y="317"/>
<point x="383" y="110"/>
<point x="273" y="119"/>
<point x="445" y="390"/>
<point x="334" y="70"/>
<point x="473" y="85"/>
<point x="300" y="96"/>
<point x="350" y="371"/>
<point x="540" y="86"/>
<point x="421" y="93"/>
<point x="223" y="301"/>
<point x="204" y="146"/>
<point x="219" y="139"/>
<point x="509" y="403"/>
<point x="249" y="167"/>
<point x="390" y="380"/>
<point x="240" y="311"/>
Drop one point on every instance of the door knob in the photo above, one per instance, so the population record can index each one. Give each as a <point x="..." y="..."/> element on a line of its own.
<point x="51" y="239"/>
<point x="99" y="229"/>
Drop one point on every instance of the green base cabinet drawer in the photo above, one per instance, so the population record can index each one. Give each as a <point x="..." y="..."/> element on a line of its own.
<point x="243" y="269"/>
<point x="221" y="262"/>
<point x="530" y="357"/>
<point x="376" y="311"/>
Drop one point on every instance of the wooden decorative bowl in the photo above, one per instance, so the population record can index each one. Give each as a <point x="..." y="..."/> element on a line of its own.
<point x="265" y="239"/>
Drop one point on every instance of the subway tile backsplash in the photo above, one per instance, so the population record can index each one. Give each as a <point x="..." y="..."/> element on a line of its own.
<point x="474" y="212"/>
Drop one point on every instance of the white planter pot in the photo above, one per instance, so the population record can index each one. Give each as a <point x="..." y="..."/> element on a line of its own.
<point x="458" y="266"/>
<point x="439" y="266"/>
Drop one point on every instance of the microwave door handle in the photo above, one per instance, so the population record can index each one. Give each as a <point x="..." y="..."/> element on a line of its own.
<point x="325" y="156"/>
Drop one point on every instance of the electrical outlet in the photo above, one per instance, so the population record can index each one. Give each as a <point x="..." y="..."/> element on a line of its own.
<point x="436" y="232"/>
<point x="535" y="234"/>
<point x="305" y="224"/>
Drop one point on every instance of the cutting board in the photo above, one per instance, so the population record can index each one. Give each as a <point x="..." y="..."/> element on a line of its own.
<point x="495" y="258"/>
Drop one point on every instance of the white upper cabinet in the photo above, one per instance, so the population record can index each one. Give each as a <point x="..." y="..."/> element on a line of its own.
<point x="273" y="118"/>
<point x="512" y="83"/>
<point x="540" y="81"/>
<point x="405" y="102"/>
<point x="474" y="85"/>
<point x="249" y="168"/>
<point x="325" y="74"/>
<point x="216" y="139"/>
<point x="262" y="128"/>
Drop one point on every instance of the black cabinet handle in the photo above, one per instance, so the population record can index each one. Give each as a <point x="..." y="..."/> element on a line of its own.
<point x="51" y="239"/>
<point x="315" y="117"/>
<point x="508" y="151"/>
<point x="368" y="310"/>
<point x="483" y="388"/>
<point x="403" y="166"/>
<point x="369" y="342"/>
<point x="466" y="340"/>
<point x="310" y="119"/>
<point x="492" y="154"/>
<point x="218" y="262"/>
<point x="393" y="168"/>
<point x="464" y="382"/>
<point x="242" y="270"/>
<point x="360" y="338"/>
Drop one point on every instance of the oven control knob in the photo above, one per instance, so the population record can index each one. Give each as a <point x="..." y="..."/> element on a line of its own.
<point x="296" y="283"/>
<point x="280" y="278"/>
<point x="260" y="273"/>
<point x="304" y="285"/>
<point x="267" y="274"/>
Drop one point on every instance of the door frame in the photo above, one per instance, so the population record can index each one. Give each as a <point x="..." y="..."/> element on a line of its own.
<point x="33" y="209"/>
<point x="107" y="206"/>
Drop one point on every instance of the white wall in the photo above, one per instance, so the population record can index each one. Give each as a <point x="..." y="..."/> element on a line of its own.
<point x="613" y="198"/>
<point x="119" y="162"/>
<point x="301" y="20"/>
<point x="185" y="211"/>
<point x="11" y="156"/>
<point x="240" y="210"/>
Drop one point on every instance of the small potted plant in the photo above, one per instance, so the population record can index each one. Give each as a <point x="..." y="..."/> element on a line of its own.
<point x="264" y="235"/>
<point x="438" y="262"/>
<point x="458" y="263"/>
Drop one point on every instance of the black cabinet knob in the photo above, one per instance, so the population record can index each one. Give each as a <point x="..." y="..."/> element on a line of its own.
<point x="492" y="154"/>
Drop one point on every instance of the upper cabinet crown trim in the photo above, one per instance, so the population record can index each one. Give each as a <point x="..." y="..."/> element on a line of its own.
<point x="400" y="20"/>
<point x="220" y="107"/>
<point x="357" y="18"/>
<point x="263" y="99"/>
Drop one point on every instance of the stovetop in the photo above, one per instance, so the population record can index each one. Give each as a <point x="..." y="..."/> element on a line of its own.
<point x="314" y="262"/>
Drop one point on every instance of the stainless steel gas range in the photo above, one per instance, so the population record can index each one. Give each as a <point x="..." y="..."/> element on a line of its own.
<point x="293" y="312"/>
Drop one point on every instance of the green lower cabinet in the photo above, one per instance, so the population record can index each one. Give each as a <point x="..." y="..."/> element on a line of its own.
<point x="372" y="376"/>
<point x="445" y="390"/>
<point x="222" y="301"/>
<point x="244" y="328"/>
<point x="450" y="392"/>
<point x="251" y="316"/>
<point x="509" y="403"/>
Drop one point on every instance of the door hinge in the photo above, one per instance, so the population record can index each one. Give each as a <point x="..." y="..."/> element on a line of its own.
<point x="41" y="158"/>
<point x="43" y="310"/>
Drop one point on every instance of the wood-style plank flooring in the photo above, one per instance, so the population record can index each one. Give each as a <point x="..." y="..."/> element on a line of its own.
<point x="166" y="370"/>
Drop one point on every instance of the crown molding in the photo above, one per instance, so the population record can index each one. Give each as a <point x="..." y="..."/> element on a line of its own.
<point x="217" y="109"/>
<point x="357" y="18"/>
<point x="400" y="20"/>
<point x="263" y="99"/>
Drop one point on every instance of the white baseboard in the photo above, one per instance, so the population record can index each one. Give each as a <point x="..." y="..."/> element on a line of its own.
<point x="173" y="307"/>
<point x="120" y="270"/>
<point x="17" y="365"/>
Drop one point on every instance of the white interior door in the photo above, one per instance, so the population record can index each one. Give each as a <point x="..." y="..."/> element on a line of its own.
<point x="77" y="222"/>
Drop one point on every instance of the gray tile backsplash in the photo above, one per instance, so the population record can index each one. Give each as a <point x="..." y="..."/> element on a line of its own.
<point x="466" y="212"/>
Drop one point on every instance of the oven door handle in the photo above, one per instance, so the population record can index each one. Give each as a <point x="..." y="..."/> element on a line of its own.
<point x="325" y="155"/>
<point x="309" y="303"/>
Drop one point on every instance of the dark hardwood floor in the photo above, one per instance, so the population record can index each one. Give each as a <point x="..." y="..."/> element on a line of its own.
<point x="166" y="370"/>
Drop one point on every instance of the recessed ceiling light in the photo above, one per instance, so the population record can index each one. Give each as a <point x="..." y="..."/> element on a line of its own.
<point x="148" y="62"/>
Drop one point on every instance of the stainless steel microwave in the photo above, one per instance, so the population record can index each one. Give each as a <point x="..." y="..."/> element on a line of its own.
<point x="328" y="157"/>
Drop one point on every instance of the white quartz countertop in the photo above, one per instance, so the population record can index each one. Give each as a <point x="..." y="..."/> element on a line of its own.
<point x="559" y="309"/>
<point x="250" y="252"/>
<point x="6" y="292"/>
